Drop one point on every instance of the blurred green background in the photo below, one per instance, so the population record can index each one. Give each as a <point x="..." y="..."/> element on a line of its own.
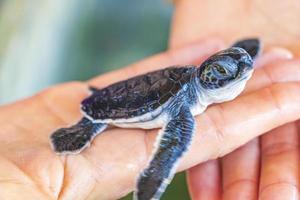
<point x="44" y="42"/>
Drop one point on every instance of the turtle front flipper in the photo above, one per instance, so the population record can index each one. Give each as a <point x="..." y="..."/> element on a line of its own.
<point x="75" y="138"/>
<point x="251" y="45"/>
<point x="174" y="141"/>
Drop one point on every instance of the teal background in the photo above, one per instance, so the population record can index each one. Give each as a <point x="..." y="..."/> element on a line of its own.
<point x="45" y="42"/>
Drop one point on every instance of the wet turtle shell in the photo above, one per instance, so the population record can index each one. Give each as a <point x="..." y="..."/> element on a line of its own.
<point x="138" y="95"/>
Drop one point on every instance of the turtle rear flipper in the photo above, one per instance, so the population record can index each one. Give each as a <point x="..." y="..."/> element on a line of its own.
<point x="75" y="138"/>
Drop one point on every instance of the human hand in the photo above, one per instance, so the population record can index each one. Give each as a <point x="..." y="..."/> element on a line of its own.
<point x="108" y="169"/>
<point x="275" y="22"/>
<point x="266" y="167"/>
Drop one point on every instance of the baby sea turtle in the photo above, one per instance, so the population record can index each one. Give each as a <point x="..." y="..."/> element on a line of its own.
<point x="168" y="98"/>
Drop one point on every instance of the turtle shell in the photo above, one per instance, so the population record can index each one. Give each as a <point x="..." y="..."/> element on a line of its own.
<point x="138" y="95"/>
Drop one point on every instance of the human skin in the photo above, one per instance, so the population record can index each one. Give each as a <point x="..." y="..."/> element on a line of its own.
<point x="268" y="167"/>
<point x="276" y="22"/>
<point x="108" y="169"/>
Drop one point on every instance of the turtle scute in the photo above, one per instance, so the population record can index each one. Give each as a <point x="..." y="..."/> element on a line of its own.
<point x="138" y="95"/>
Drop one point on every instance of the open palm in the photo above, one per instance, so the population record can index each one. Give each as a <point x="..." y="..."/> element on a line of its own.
<point x="108" y="169"/>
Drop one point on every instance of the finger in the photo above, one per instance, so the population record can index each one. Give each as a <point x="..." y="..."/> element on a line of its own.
<point x="280" y="164"/>
<point x="240" y="170"/>
<point x="197" y="52"/>
<point x="192" y="53"/>
<point x="204" y="181"/>
<point x="274" y="72"/>
<point x="272" y="54"/>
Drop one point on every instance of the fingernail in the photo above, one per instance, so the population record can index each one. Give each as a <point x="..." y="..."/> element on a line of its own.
<point x="273" y="54"/>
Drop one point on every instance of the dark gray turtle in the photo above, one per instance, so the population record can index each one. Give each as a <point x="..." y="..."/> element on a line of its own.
<point x="167" y="98"/>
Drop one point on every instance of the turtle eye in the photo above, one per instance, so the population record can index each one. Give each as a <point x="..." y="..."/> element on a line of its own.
<point x="220" y="69"/>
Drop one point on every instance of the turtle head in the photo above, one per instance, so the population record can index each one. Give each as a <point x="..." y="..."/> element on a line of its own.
<point x="224" y="75"/>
